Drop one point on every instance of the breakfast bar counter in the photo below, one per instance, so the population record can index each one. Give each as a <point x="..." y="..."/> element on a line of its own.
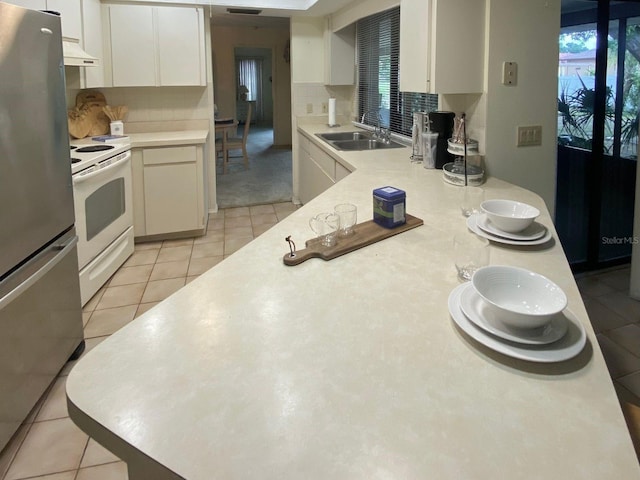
<point x="350" y="368"/>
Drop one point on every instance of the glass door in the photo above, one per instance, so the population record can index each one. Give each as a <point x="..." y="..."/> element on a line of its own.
<point x="598" y="99"/>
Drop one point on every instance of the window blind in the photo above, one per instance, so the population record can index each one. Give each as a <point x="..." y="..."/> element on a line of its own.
<point x="378" y="44"/>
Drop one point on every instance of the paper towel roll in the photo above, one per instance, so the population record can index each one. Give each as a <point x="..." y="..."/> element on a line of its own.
<point x="332" y="112"/>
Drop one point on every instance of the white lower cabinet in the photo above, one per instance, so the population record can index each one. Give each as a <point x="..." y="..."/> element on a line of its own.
<point x="317" y="170"/>
<point x="168" y="184"/>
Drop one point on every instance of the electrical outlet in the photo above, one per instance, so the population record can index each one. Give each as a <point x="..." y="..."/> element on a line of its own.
<point x="325" y="107"/>
<point x="309" y="107"/>
<point x="509" y="73"/>
<point x="529" y="136"/>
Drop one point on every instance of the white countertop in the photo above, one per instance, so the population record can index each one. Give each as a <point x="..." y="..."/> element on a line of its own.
<point x="350" y="368"/>
<point x="165" y="139"/>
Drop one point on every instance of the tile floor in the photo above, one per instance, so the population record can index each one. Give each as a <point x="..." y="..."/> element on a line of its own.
<point x="616" y="320"/>
<point x="48" y="446"/>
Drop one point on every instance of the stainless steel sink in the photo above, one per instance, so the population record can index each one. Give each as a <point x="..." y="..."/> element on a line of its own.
<point x="344" y="136"/>
<point x="363" y="144"/>
<point x="355" y="141"/>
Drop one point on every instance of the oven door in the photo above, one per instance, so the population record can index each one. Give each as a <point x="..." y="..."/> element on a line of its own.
<point x="103" y="205"/>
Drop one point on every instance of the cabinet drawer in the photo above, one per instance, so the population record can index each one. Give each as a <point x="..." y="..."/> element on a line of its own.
<point x="303" y="143"/>
<point x="159" y="156"/>
<point x="324" y="160"/>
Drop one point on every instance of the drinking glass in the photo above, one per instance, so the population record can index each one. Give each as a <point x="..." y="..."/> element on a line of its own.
<point x="470" y="252"/>
<point x="325" y="226"/>
<point x="348" y="214"/>
<point x="470" y="200"/>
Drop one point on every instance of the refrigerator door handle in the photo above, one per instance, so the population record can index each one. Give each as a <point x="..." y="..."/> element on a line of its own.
<point x="62" y="249"/>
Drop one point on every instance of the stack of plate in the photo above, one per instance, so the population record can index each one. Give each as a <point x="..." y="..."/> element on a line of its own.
<point x="517" y="313"/>
<point x="509" y="222"/>
<point x="534" y="234"/>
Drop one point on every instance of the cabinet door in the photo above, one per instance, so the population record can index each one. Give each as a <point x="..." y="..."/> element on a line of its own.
<point x="431" y="57"/>
<point x="340" y="56"/>
<point x="71" y="17"/>
<point x="92" y="43"/>
<point x="180" y="46"/>
<point x="415" y="21"/>
<point x="171" y="192"/>
<point x="313" y="180"/>
<point x="132" y="45"/>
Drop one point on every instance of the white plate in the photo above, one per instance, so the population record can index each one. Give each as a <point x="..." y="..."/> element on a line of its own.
<point x="473" y="226"/>
<point x="567" y="347"/>
<point x="479" y="313"/>
<point x="532" y="232"/>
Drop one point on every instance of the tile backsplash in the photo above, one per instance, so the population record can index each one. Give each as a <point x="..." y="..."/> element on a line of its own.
<point x="317" y="94"/>
<point x="148" y="104"/>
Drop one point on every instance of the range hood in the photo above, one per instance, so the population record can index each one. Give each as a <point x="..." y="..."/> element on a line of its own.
<point x="74" y="55"/>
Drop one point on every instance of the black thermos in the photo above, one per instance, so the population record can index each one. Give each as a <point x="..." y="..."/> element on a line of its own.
<point x="442" y="122"/>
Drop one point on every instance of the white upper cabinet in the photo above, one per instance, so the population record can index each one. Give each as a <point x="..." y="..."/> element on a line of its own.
<point x="69" y="10"/>
<point x="71" y="17"/>
<point x="133" y="61"/>
<point x="180" y="46"/>
<point x="340" y="55"/>
<point x="442" y="46"/>
<point x="156" y="46"/>
<point x="92" y="43"/>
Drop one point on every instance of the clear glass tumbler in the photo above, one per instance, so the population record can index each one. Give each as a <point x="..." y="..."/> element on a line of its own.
<point x="470" y="252"/>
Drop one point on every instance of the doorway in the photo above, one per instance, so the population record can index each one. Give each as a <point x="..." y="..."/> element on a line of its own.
<point x="598" y="104"/>
<point x="250" y="68"/>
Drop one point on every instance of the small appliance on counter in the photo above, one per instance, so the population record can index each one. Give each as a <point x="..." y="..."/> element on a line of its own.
<point x="442" y="124"/>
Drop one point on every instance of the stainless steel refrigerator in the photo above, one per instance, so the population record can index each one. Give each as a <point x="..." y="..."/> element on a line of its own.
<point x="40" y="312"/>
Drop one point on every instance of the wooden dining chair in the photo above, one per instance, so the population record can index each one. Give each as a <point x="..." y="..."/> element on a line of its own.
<point x="237" y="143"/>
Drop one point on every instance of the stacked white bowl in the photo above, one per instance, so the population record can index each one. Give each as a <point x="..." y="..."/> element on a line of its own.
<point x="508" y="215"/>
<point x="518" y="297"/>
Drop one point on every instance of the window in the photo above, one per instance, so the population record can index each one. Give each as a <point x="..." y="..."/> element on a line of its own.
<point x="249" y="76"/>
<point x="378" y="40"/>
<point x="576" y="87"/>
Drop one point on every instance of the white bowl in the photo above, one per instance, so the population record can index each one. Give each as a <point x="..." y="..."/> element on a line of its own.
<point x="508" y="215"/>
<point x="518" y="297"/>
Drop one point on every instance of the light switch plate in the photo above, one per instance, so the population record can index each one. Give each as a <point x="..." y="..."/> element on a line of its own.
<point x="509" y="73"/>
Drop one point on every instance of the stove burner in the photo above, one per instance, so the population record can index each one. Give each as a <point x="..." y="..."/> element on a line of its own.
<point x="73" y="147"/>
<point x="94" y="148"/>
<point x="75" y="160"/>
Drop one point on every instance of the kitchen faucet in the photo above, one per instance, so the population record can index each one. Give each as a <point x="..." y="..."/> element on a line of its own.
<point x="380" y="133"/>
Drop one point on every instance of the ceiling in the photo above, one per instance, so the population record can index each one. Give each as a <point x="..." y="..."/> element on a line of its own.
<point x="275" y="14"/>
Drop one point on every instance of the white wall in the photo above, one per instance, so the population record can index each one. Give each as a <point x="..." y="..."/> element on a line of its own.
<point x="526" y="32"/>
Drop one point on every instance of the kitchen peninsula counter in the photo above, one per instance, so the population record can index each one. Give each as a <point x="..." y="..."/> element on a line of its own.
<point x="350" y="368"/>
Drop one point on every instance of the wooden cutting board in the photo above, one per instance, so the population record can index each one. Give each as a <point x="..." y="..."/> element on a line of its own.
<point x="93" y="102"/>
<point x="365" y="234"/>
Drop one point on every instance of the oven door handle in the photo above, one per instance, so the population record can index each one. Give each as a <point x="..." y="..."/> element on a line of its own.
<point x="79" y="178"/>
